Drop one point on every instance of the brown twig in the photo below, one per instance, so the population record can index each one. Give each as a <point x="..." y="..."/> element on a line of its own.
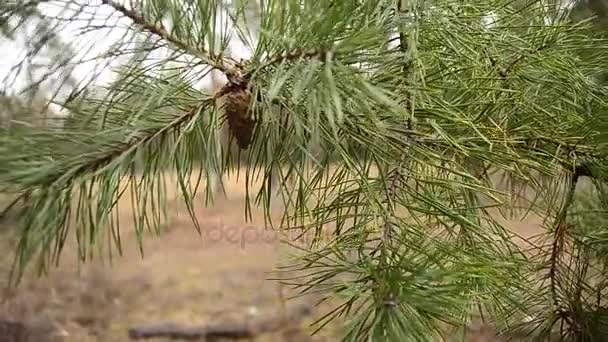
<point x="560" y="234"/>
<point x="292" y="55"/>
<point x="6" y="210"/>
<point x="215" y="61"/>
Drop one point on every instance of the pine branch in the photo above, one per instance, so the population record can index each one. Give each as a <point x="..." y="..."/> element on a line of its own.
<point x="21" y="197"/>
<point x="135" y="141"/>
<point x="396" y="176"/>
<point x="220" y="63"/>
<point x="559" y="235"/>
<point x="320" y="54"/>
<point x="394" y="181"/>
<point x="362" y="120"/>
<point x="56" y="187"/>
<point x="504" y="73"/>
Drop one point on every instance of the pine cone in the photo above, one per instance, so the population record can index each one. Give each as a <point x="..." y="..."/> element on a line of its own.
<point x="237" y="107"/>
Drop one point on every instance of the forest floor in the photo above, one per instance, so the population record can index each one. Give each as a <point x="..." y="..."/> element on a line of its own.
<point x="185" y="277"/>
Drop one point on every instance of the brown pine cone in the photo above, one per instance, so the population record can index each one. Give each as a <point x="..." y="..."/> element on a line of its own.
<point x="237" y="106"/>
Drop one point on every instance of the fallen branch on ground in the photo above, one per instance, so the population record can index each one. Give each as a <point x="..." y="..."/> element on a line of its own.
<point x="232" y="330"/>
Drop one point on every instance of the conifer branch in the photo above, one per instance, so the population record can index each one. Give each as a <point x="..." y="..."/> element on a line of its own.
<point x="144" y="136"/>
<point x="395" y="179"/>
<point x="367" y="124"/>
<point x="559" y="235"/>
<point x="503" y="73"/>
<point x="21" y="197"/>
<point x="396" y="176"/>
<point x="296" y="54"/>
<point x="215" y="61"/>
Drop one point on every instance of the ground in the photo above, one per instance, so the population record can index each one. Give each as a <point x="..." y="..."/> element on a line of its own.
<point x="184" y="277"/>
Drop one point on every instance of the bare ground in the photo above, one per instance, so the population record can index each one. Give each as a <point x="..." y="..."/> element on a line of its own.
<point x="220" y="275"/>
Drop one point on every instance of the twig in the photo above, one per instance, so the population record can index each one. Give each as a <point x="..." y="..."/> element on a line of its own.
<point x="396" y="177"/>
<point x="232" y="330"/>
<point x="560" y="233"/>
<point x="14" y="202"/>
<point x="216" y="62"/>
<point x="503" y="74"/>
<point x="394" y="182"/>
<point x="123" y="148"/>
<point x="292" y="55"/>
<point x="404" y="46"/>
